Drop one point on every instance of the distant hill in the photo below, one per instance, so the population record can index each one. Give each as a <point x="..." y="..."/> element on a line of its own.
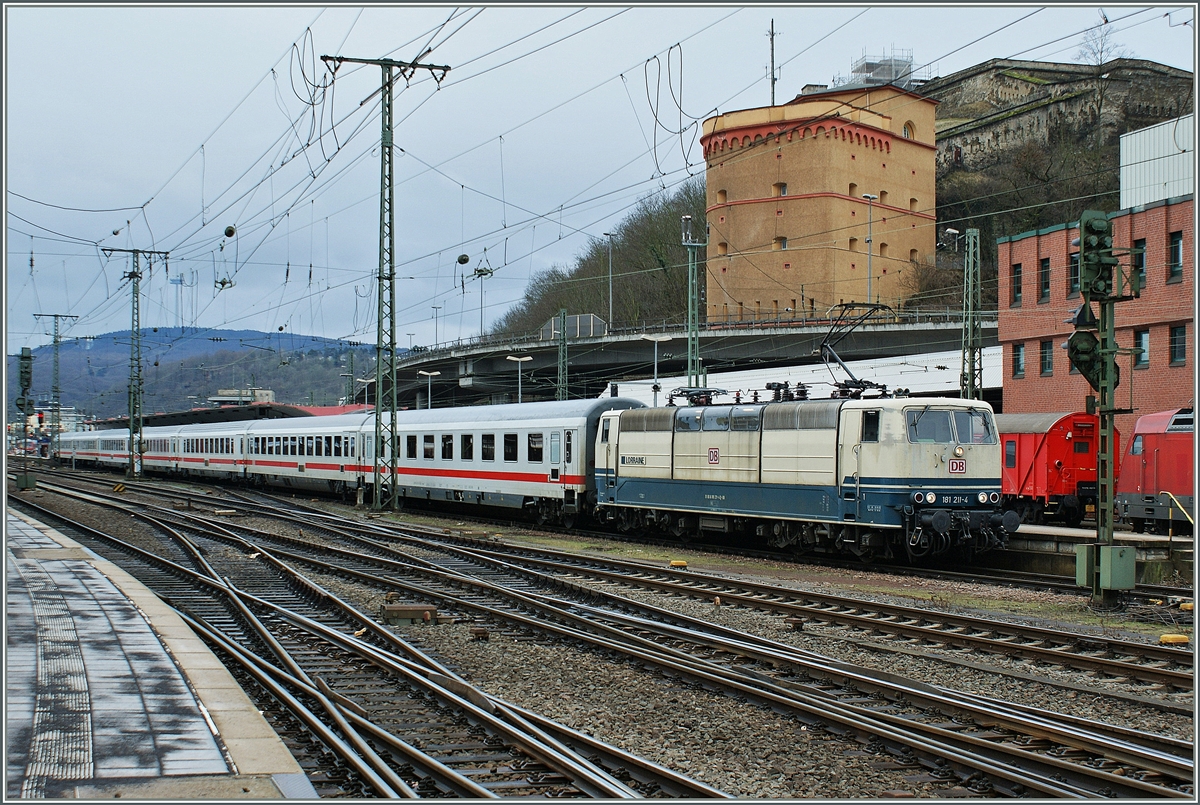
<point x="182" y="367"/>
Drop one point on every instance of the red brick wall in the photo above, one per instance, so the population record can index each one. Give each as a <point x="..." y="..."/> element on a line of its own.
<point x="1162" y="305"/>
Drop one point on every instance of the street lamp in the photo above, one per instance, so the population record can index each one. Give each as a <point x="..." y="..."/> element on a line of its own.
<point x="953" y="233"/>
<point x="610" y="305"/>
<point x="429" y="377"/>
<point x="870" y="219"/>
<point x="519" y="361"/>
<point x="410" y="336"/>
<point x="656" y="339"/>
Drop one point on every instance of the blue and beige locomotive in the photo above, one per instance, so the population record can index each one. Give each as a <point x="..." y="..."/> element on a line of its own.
<point x="875" y="477"/>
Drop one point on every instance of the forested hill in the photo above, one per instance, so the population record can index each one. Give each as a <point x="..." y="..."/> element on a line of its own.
<point x="183" y="367"/>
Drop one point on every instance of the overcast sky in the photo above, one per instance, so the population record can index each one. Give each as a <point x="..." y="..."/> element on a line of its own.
<point x="157" y="128"/>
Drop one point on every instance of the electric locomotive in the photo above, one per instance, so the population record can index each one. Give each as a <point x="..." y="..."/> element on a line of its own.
<point x="874" y="477"/>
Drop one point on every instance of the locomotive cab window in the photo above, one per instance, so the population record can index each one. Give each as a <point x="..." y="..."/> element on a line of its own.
<point x="928" y="425"/>
<point x="1136" y="448"/>
<point x="603" y="432"/>
<point x="744" y="419"/>
<point x="870" y="426"/>
<point x="687" y="419"/>
<point x="974" y="427"/>
<point x="1083" y="446"/>
<point x="535" y="449"/>
<point x="510" y="447"/>
<point x="487" y="447"/>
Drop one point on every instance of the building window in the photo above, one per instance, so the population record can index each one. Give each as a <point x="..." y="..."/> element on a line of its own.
<point x="1047" y="355"/>
<point x="1018" y="359"/>
<point x="906" y="131"/>
<point x="722" y="248"/>
<point x="853" y="244"/>
<point x="1178" y="346"/>
<point x="1044" y="280"/>
<point x="780" y="244"/>
<point x="1138" y="261"/>
<point x="1175" y="258"/>
<point x="1141" y="342"/>
<point x="1016" y="285"/>
<point x="1073" y="274"/>
<point x="722" y="197"/>
<point x="780" y="188"/>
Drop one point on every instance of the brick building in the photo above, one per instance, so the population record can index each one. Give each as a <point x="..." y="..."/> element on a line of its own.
<point x="788" y="221"/>
<point x="1039" y="290"/>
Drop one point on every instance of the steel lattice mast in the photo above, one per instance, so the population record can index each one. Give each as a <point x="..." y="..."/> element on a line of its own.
<point x="971" y="381"/>
<point x="386" y="428"/>
<point x="55" y="391"/>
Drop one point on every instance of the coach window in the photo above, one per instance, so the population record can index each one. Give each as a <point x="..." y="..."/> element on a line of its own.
<point x="487" y="447"/>
<point x="535" y="448"/>
<point x="337" y="445"/>
<point x="1010" y="453"/>
<point x="447" y="446"/>
<point x="870" y="426"/>
<point x="467" y="447"/>
<point x="292" y="440"/>
<point x="510" y="447"/>
<point x="320" y="445"/>
<point x="308" y="446"/>
<point x="567" y="446"/>
<point x="427" y="445"/>
<point x="410" y="442"/>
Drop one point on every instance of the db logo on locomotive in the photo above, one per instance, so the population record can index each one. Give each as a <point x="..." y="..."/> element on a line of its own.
<point x="958" y="465"/>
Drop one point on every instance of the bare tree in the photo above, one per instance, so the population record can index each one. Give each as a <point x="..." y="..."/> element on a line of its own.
<point x="1098" y="49"/>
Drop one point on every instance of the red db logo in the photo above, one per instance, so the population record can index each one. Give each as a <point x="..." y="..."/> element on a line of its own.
<point x="714" y="455"/>
<point x="958" y="465"/>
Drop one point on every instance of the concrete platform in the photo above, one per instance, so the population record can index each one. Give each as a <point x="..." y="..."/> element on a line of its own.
<point x="110" y="695"/>
<point x="1051" y="549"/>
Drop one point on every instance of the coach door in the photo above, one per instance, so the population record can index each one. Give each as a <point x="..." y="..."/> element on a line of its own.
<point x="555" y="455"/>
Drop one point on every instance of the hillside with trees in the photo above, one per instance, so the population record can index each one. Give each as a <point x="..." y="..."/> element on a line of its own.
<point x="649" y="270"/>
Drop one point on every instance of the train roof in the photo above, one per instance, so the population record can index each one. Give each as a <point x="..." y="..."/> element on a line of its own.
<point x="1177" y="420"/>
<point x="517" y="412"/>
<point x="1033" y="423"/>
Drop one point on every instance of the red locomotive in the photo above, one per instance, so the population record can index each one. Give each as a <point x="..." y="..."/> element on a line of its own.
<point x="1159" y="460"/>
<point x="1048" y="470"/>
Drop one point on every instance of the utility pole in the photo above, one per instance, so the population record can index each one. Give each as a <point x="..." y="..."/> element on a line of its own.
<point x="871" y="199"/>
<point x="771" y="35"/>
<point x="971" y="380"/>
<point x="610" y="304"/>
<point x="387" y="438"/>
<point x="1092" y="349"/>
<point x="55" y="391"/>
<point x="135" y="358"/>
<point x="693" y="322"/>
<point x="560" y="391"/>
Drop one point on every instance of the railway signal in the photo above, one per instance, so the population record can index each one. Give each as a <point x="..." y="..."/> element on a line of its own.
<point x="25" y="406"/>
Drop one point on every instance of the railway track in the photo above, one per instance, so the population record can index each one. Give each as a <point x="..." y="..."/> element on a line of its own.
<point x="457" y="741"/>
<point x="984" y="745"/>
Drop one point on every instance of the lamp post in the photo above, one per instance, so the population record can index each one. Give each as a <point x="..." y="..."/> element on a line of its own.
<point x="410" y="337"/>
<point x="519" y="361"/>
<point x="953" y="233"/>
<point x="656" y="339"/>
<point x="610" y="295"/>
<point x="436" y="308"/>
<point x="429" y="378"/>
<point x="870" y="220"/>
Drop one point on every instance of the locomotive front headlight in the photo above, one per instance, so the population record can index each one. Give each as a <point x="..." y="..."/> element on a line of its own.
<point x="982" y="497"/>
<point x="930" y="497"/>
<point x="958" y="451"/>
<point x="994" y="497"/>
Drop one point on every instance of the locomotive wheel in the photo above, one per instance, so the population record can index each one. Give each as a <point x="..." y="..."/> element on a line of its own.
<point x="568" y="521"/>
<point x="1139" y="526"/>
<point x="1072" y="517"/>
